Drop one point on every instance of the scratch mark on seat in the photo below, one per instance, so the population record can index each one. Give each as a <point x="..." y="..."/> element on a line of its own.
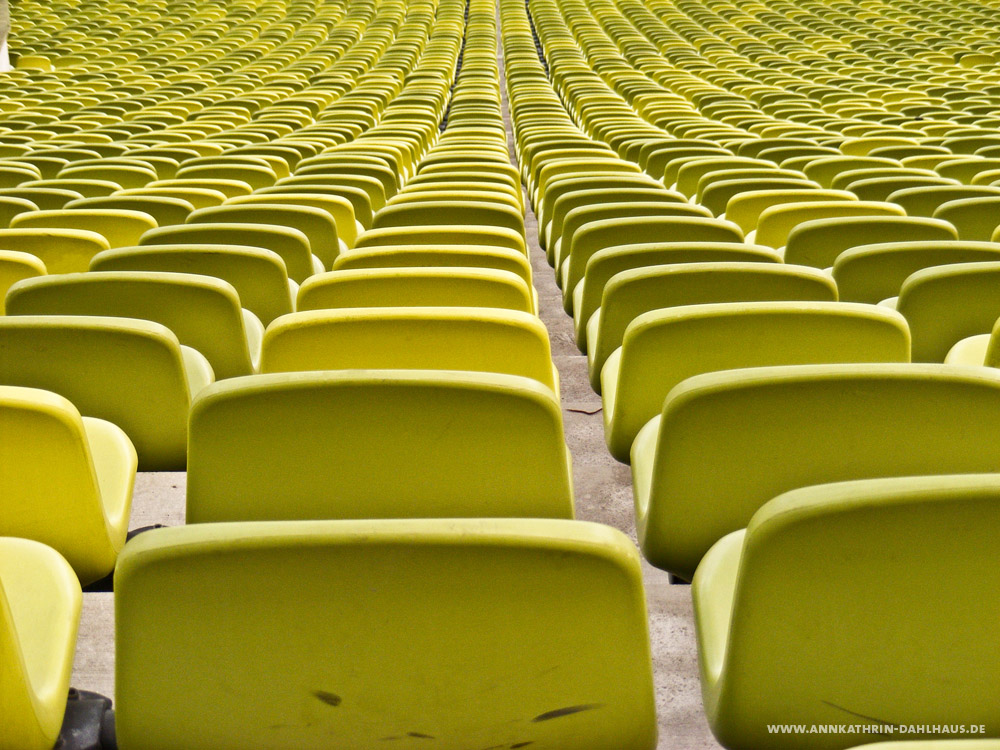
<point x="567" y="711"/>
<point x="860" y="716"/>
<point x="330" y="699"/>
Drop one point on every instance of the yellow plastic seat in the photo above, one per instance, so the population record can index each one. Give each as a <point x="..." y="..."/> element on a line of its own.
<point x="416" y="287"/>
<point x="662" y="348"/>
<point x="128" y="176"/>
<point x="164" y="210"/>
<point x="947" y="303"/>
<point x="444" y="234"/>
<point x="605" y="264"/>
<point x="85" y="187"/>
<point x="977" y="351"/>
<point x="258" y="275"/>
<point x="120" y="227"/>
<point x="40" y="605"/>
<point x="203" y="312"/>
<point x="764" y="599"/>
<point x="229" y="187"/>
<point x="16" y="266"/>
<point x="880" y="188"/>
<point x="597" y="235"/>
<point x="462" y="213"/>
<point x="347" y="677"/>
<point x="777" y="223"/>
<point x="67" y="481"/>
<point x="253" y="175"/>
<point x="197" y="197"/>
<point x="362" y="203"/>
<point x="715" y="194"/>
<point x="417" y="256"/>
<point x="132" y="373"/>
<point x="745" y="208"/>
<point x="976" y="219"/>
<point x="43" y="198"/>
<point x="819" y="242"/>
<point x="926" y="200"/>
<point x="450" y="338"/>
<point x="629" y="294"/>
<point x="340" y="209"/>
<point x="316" y="224"/>
<point x="402" y="443"/>
<point x="61" y="250"/>
<point x="872" y="273"/>
<point x="287" y="242"/>
<point x="727" y="442"/>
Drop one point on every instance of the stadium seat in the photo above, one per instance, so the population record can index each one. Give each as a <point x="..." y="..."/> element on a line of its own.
<point x="347" y="677"/>
<point x="40" y="606"/>
<point x="401" y="443"/>
<point x="726" y="442"/>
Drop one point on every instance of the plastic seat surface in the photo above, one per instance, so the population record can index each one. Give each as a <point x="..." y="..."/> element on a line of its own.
<point x="132" y="373"/>
<point x="67" y="481"/>
<point x="40" y="605"/>
<point x="765" y="599"/>
<point x="402" y="443"/>
<point x="819" y="242"/>
<point x="726" y="442"/>
<point x="355" y="586"/>
<point x="662" y="348"/>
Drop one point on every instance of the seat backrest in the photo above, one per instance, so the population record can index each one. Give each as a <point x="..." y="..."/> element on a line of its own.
<point x="819" y="242"/>
<point x="975" y="218"/>
<point x="629" y="294"/>
<point x="415" y="256"/>
<point x="444" y="234"/>
<point x="402" y="443"/>
<point x="730" y="441"/>
<point x="455" y="212"/>
<point x="745" y="208"/>
<point x="43" y="198"/>
<point x="15" y="266"/>
<point x="716" y="194"/>
<point x="826" y="168"/>
<point x="203" y="312"/>
<point x="340" y="209"/>
<point x="777" y="222"/>
<point x="132" y="373"/>
<point x="946" y="303"/>
<point x="605" y="264"/>
<point x="415" y="287"/>
<point x="821" y="554"/>
<point x="165" y="210"/>
<point x="450" y="338"/>
<point x="347" y="677"/>
<point x="257" y="275"/>
<point x="61" y="250"/>
<point x="597" y="235"/>
<point x="316" y="224"/>
<point x="289" y="243"/>
<point x="662" y="348"/>
<point x="120" y="227"/>
<point x="924" y="201"/>
<point x="49" y="484"/>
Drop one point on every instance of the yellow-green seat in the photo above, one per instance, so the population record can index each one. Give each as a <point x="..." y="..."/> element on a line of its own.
<point x="67" y="480"/>
<point x="460" y="212"/>
<point x="422" y="338"/>
<point x="629" y="294"/>
<point x="444" y="234"/>
<point x="132" y="373"/>
<point x="401" y="443"/>
<point x="287" y="242"/>
<point x="873" y="273"/>
<point x="661" y="348"/>
<point x="360" y="203"/>
<point x="975" y="218"/>
<point x="230" y="187"/>
<point x="415" y="256"/>
<point x="203" y="312"/>
<point x="555" y="675"/>
<point x="340" y="209"/>
<point x="727" y="442"/>
<point x="819" y="242"/>
<point x="85" y="187"/>
<point x="825" y="169"/>
<point x="198" y="197"/>
<point x="980" y="350"/>
<point x="441" y="286"/>
<point x="946" y="303"/>
<point x="597" y="235"/>
<point x="61" y="250"/>
<point x="11" y="207"/>
<point x="40" y="606"/>
<point x="16" y="266"/>
<point x="924" y="201"/>
<point x="783" y="614"/>
<point x="253" y="175"/>
<point x="745" y="208"/>
<point x="315" y="223"/>
<point x="164" y="210"/>
<point x="880" y="188"/>
<point x="42" y="197"/>
<point x="258" y="275"/>
<point x="639" y="211"/>
<point x="605" y="264"/>
<point x="717" y="194"/>
<point x="120" y="227"/>
<point x="128" y="176"/>
<point x="777" y="222"/>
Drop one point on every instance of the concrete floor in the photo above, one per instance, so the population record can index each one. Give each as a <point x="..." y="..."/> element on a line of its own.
<point x="603" y="492"/>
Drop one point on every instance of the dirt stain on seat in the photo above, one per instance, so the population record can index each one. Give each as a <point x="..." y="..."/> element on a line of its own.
<point x="567" y="711"/>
